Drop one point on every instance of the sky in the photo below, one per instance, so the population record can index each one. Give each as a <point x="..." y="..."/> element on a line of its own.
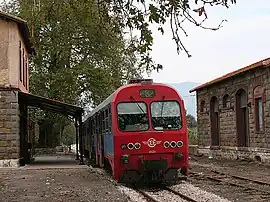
<point x="243" y="40"/>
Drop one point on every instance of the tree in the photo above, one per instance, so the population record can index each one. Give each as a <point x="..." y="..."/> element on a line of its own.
<point x="191" y="121"/>
<point x="137" y="16"/>
<point x="78" y="55"/>
<point x="69" y="135"/>
<point x="81" y="53"/>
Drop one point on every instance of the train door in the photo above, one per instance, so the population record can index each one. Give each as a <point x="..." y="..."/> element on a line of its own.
<point x="102" y="138"/>
<point x="92" y="140"/>
<point x="97" y="138"/>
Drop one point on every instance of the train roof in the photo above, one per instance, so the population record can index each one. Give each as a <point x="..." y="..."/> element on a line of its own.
<point x="110" y="98"/>
<point x="101" y="105"/>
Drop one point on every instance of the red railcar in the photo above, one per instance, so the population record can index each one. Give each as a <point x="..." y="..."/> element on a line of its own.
<point x="140" y="132"/>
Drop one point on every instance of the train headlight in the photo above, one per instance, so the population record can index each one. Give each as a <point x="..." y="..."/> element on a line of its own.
<point x="179" y="155"/>
<point x="137" y="145"/>
<point x="179" y="144"/>
<point x="124" y="158"/>
<point x="123" y="146"/>
<point x="130" y="146"/>
<point x="173" y="144"/>
<point x="166" y="144"/>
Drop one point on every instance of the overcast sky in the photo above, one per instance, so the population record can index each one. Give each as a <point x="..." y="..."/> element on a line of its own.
<point x="244" y="39"/>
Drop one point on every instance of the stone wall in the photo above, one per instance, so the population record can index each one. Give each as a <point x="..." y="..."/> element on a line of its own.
<point x="228" y="135"/>
<point x="261" y="155"/>
<point x="9" y="128"/>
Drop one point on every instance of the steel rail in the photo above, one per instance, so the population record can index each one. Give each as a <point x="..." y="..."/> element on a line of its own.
<point x="213" y="178"/>
<point x="242" y="178"/>
<point x="187" y="198"/>
<point x="147" y="196"/>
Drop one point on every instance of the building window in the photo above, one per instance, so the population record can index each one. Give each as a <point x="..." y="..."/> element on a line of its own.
<point x="259" y="114"/>
<point x="202" y="107"/>
<point x="26" y="72"/>
<point x="20" y="60"/>
<point x="258" y="95"/>
<point x="226" y="101"/>
<point x="23" y="68"/>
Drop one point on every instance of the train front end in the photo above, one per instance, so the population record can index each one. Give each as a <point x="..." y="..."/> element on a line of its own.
<point x="151" y="142"/>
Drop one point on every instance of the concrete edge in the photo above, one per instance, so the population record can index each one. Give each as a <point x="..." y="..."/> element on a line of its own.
<point x="261" y="155"/>
<point x="9" y="163"/>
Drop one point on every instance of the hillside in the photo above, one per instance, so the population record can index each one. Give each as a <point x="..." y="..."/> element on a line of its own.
<point x="189" y="98"/>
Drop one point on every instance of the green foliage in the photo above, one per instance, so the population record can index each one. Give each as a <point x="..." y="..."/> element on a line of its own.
<point x="80" y="49"/>
<point x="192" y="129"/>
<point x="81" y="54"/>
<point x="138" y="15"/>
<point x="69" y="135"/>
<point x="191" y="121"/>
<point x="193" y="136"/>
<point x="192" y="133"/>
<point x="113" y="16"/>
<point x="77" y="53"/>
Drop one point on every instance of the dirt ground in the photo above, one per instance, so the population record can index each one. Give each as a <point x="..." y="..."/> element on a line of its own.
<point x="248" y="169"/>
<point x="57" y="184"/>
<point x="251" y="170"/>
<point x="66" y="181"/>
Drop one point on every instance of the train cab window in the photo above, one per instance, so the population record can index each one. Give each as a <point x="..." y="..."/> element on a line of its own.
<point x="166" y="115"/>
<point x="132" y="116"/>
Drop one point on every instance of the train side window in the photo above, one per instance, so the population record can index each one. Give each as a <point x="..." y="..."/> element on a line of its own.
<point x="103" y="121"/>
<point x="97" y="124"/>
<point x="109" y="119"/>
<point x="100" y="123"/>
<point x="106" y="120"/>
<point x="92" y="126"/>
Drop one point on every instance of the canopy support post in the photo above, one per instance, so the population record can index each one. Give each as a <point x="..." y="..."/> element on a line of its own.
<point x="81" y="140"/>
<point x="77" y="138"/>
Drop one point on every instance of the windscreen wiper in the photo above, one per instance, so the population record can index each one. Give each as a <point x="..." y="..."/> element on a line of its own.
<point x="162" y="105"/>
<point x="137" y="104"/>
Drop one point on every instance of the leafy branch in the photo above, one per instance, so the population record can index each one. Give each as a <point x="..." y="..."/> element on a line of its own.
<point x="138" y="15"/>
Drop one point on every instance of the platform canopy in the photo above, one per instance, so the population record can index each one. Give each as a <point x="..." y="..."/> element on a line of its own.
<point x="49" y="104"/>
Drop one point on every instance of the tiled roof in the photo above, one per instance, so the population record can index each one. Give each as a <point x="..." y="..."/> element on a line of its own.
<point x="22" y="25"/>
<point x="262" y="63"/>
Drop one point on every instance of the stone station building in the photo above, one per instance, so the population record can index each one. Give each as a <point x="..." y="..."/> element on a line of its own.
<point x="233" y="114"/>
<point x="15" y="49"/>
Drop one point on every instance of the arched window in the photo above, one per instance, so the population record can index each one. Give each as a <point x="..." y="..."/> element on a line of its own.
<point x="226" y="101"/>
<point x="202" y="106"/>
<point x="258" y="94"/>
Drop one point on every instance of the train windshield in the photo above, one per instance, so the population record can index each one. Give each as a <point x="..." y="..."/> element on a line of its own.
<point x="166" y="115"/>
<point x="132" y="116"/>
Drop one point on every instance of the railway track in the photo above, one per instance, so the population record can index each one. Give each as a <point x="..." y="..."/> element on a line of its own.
<point x="164" y="194"/>
<point x="251" y="187"/>
<point x="235" y="180"/>
<point x="243" y="178"/>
